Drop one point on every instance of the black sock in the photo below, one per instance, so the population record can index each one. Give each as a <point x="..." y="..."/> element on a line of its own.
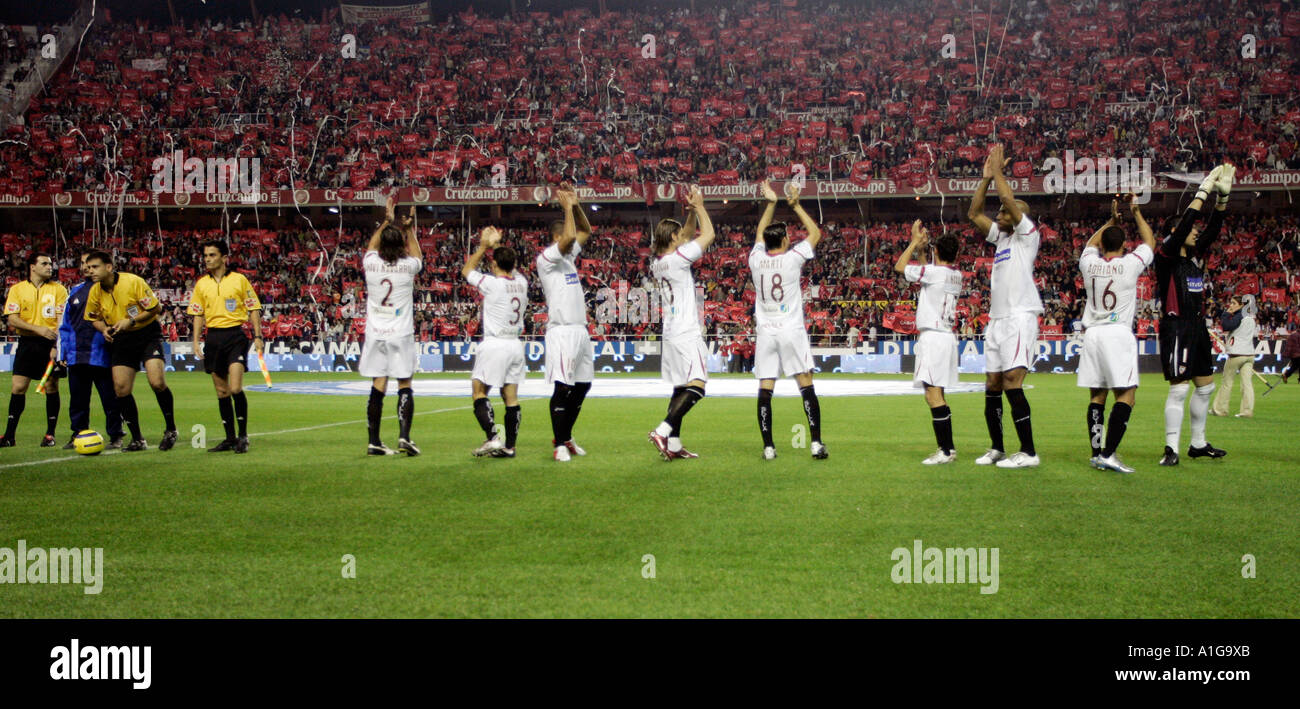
<point x="993" y="417"/>
<point x="1020" y="415"/>
<point x="227" y="408"/>
<point x="485" y="415"/>
<point x="1118" y="425"/>
<point x="17" y="403"/>
<point x="577" y="394"/>
<point x="405" y="410"/>
<point x="1096" y="426"/>
<point x="165" y="402"/>
<point x="374" y="410"/>
<point x="513" y="417"/>
<point x="677" y="427"/>
<point x="682" y="404"/>
<point x="241" y="412"/>
<point x="130" y="415"/>
<point x="812" y="408"/>
<point x="559" y="416"/>
<point x="52" y="402"/>
<point x="941" y="418"/>
<point x="765" y="416"/>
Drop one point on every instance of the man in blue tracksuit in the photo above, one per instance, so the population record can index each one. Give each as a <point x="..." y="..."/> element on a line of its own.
<point x="86" y="354"/>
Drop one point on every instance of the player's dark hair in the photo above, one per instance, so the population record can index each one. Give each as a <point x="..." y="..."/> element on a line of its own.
<point x="504" y="257"/>
<point x="219" y="245"/>
<point x="102" y="256"/>
<point x="36" y="256"/>
<point x="1112" y="239"/>
<point x="557" y="228"/>
<point x="774" y="235"/>
<point x="663" y="235"/>
<point x="392" y="244"/>
<point x="946" y="247"/>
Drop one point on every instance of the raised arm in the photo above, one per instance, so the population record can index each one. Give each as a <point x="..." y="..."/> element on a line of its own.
<point x="1095" y="241"/>
<point x="388" y="219"/>
<point x="920" y="236"/>
<point x="487" y="239"/>
<point x="580" y="222"/>
<point x="1005" y="195"/>
<point x="814" y="231"/>
<point x="769" y="209"/>
<point x="975" y="214"/>
<point x="1145" y="232"/>
<point x="567" y="200"/>
<point x="407" y="225"/>
<point x="698" y="212"/>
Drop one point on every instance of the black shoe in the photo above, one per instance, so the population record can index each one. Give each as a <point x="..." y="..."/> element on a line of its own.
<point x="380" y="449"/>
<point x="48" y="441"/>
<point x="407" y="447"/>
<point x="502" y="453"/>
<point x="71" y="444"/>
<point x="1206" y="451"/>
<point x="169" y="440"/>
<point x="222" y="447"/>
<point x="136" y="444"/>
<point x="6" y="442"/>
<point x="241" y="445"/>
<point x="1171" y="458"/>
<point x="116" y="442"/>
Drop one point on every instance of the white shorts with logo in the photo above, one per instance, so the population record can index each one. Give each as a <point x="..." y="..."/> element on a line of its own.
<point x="1011" y="342"/>
<point x="936" y="359"/>
<point x="388" y="358"/>
<point x="781" y="351"/>
<point x="1109" y="359"/>
<point x="500" y="361"/>
<point x="683" y="359"/>
<point x="569" y="355"/>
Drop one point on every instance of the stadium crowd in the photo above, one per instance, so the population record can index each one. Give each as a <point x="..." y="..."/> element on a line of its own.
<point x="898" y="90"/>
<point x="313" y="288"/>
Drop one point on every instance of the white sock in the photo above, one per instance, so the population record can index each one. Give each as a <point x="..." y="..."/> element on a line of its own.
<point x="664" y="429"/>
<point x="674" y="444"/>
<point x="1174" y="413"/>
<point x="1200" y="409"/>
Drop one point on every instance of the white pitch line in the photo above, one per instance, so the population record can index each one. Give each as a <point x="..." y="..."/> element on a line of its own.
<point x="263" y="433"/>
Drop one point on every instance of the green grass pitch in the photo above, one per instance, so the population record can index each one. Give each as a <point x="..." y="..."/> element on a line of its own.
<point x="192" y="534"/>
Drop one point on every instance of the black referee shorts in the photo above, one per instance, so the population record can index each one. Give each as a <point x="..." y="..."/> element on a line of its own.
<point x="132" y="349"/>
<point x="223" y="347"/>
<point x="33" y="356"/>
<point x="1185" y="350"/>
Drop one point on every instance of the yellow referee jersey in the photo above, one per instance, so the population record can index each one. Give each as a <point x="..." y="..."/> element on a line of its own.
<point x="225" y="302"/>
<point x="130" y="297"/>
<point x="39" y="305"/>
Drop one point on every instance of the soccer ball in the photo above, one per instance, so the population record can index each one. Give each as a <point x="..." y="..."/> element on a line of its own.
<point x="88" y="443"/>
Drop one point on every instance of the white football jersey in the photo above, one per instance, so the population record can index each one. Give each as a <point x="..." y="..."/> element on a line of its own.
<point x="676" y="283"/>
<point x="390" y="295"/>
<point x="562" y="286"/>
<point x="936" y="306"/>
<point x="1011" y="288"/>
<point x="1112" y="285"/>
<point x="505" y="302"/>
<point x="779" y="300"/>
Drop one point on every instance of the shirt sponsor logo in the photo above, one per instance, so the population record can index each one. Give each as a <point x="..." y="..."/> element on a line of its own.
<point x="1001" y="256"/>
<point x="1195" y="284"/>
<point x="571" y="279"/>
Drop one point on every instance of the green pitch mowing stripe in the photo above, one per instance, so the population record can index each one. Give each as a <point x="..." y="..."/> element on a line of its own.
<point x="192" y="534"/>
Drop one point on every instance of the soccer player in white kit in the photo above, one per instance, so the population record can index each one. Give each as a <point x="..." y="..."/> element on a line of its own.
<point x="1011" y="338"/>
<point x="500" y="359"/>
<point x="569" y="353"/>
<point x="782" y="338"/>
<point x="391" y="263"/>
<point x="1110" y="354"/>
<point x="936" y="313"/>
<point x="676" y="249"/>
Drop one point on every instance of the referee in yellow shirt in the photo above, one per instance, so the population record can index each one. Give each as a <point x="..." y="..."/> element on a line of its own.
<point x="33" y="309"/>
<point x="124" y="308"/>
<point x="224" y="301"/>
